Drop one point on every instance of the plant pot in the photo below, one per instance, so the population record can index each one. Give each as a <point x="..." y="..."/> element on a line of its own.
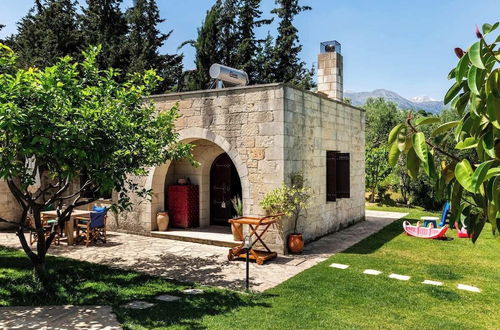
<point x="162" y="220"/>
<point x="237" y="230"/>
<point x="295" y="243"/>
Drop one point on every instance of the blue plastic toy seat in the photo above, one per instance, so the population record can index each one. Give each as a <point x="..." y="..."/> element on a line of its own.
<point x="445" y="214"/>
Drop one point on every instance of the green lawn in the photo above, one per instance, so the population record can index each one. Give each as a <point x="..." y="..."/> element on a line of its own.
<point x="321" y="297"/>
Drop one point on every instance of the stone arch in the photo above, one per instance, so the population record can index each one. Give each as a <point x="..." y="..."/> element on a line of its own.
<point x="156" y="177"/>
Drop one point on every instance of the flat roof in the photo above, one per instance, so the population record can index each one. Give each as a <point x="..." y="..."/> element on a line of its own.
<point x="244" y="88"/>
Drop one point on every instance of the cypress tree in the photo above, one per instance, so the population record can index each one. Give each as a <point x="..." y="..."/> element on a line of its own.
<point x="228" y="38"/>
<point x="47" y="32"/>
<point x="207" y="49"/>
<point x="264" y="61"/>
<point x="289" y="67"/>
<point x="144" y="42"/>
<point x="103" y="23"/>
<point x="248" y="47"/>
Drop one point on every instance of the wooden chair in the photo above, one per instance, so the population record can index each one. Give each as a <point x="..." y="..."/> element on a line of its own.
<point x="91" y="229"/>
<point x="49" y="225"/>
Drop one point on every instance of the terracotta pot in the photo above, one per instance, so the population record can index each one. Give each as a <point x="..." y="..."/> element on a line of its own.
<point x="162" y="220"/>
<point x="237" y="230"/>
<point x="295" y="243"/>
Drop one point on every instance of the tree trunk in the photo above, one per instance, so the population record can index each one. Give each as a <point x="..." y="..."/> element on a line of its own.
<point x="372" y="197"/>
<point x="40" y="273"/>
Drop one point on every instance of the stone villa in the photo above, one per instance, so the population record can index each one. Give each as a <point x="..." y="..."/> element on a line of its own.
<point x="248" y="140"/>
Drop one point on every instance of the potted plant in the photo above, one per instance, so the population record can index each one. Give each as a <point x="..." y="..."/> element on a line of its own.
<point x="236" y="228"/>
<point x="290" y="200"/>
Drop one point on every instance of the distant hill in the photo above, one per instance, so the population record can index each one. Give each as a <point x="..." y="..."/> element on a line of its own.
<point x="417" y="103"/>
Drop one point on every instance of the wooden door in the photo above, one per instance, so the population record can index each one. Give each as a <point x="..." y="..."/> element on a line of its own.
<point x="224" y="185"/>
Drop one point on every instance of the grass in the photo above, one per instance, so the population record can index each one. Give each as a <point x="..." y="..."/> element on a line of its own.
<point x="320" y="297"/>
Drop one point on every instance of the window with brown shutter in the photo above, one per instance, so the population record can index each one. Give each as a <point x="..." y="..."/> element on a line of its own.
<point x="343" y="175"/>
<point x="338" y="183"/>
<point x="331" y="173"/>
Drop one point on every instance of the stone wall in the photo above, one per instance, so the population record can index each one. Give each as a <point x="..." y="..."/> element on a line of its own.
<point x="313" y="125"/>
<point x="9" y="208"/>
<point x="246" y="123"/>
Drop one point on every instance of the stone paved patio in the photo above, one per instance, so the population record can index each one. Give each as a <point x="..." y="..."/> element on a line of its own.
<point x="58" y="317"/>
<point x="207" y="264"/>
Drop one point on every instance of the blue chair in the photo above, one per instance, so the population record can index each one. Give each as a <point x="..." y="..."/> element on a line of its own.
<point x="91" y="229"/>
<point x="445" y="214"/>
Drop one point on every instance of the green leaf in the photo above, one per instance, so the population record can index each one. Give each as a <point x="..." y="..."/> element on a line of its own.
<point x="462" y="67"/>
<point x="493" y="83"/>
<point x="479" y="175"/>
<point x="472" y="80"/>
<point x="486" y="28"/>
<point x="475" y="55"/>
<point x="493" y="110"/>
<point x="462" y="102"/>
<point x="493" y="172"/>
<point x="420" y="146"/>
<point x="489" y="143"/>
<point x="427" y="121"/>
<point x="445" y="127"/>
<point x="394" y="154"/>
<point x="468" y="143"/>
<point x="402" y="139"/>
<point x="394" y="133"/>
<point x="496" y="192"/>
<point x="463" y="173"/>
<point x="452" y="92"/>
<point x="412" y="163"/>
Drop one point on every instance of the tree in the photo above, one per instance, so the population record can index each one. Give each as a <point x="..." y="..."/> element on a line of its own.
<point x="377" y="168"/>
<point x="49" y="31"/>
<point x="103" y="23"/>
<point x="144" y="42"/>
<point x="248" y="47"/>
<point x="288" y="66"/>
<point x="207" y="50"/>
<point x="472" y="187"/>
<point x="73" y="118"/>
<point x="264" y="61"/>
<point x="381" y="116"/>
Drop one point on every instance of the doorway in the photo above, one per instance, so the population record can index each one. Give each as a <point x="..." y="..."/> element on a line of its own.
<point x="224" y="185"/>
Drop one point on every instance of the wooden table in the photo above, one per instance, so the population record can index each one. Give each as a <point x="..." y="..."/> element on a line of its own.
<point x="260" y="256"/>
<point x="69" y="226"/>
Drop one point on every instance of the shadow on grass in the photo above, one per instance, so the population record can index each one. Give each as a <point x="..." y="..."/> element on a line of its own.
<point x="82" y="283"/>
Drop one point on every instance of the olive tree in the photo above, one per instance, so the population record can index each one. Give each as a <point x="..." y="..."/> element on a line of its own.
<point x="72" y="119"/>
<point x="471" y="184"/>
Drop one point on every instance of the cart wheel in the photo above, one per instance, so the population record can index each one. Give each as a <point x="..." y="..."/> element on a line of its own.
<point x="260" y="261"/>
<point x="230" y="256"/>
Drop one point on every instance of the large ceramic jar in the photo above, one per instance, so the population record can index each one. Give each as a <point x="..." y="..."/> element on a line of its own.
<point x="162" y="220"/>
<point x="295" y="243"/>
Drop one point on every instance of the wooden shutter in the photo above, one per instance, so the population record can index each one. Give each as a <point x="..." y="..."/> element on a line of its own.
<point x="331" y="173"/>
<point x="343" y="175"/>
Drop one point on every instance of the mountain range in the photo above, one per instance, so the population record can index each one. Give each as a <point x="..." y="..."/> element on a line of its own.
<point x="416" y="103"/>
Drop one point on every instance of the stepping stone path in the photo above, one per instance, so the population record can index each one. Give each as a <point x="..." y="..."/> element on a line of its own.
<point x="432" y="282"/>
<point x="193" y="291"/>
<point x="167" y="298"/>
<point x="138" y="304"/>
<point x="339" y="266"/>
<point x="372" y="272"/>
<point x="468" y="288"/>
<point x="399" y="277"/>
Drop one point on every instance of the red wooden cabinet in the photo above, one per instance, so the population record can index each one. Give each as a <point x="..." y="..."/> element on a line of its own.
<point x="184" y="206"/>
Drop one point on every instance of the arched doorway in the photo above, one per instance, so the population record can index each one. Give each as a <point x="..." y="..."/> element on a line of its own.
<point x="224" y="185"/>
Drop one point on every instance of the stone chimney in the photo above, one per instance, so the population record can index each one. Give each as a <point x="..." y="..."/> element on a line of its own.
<point x="330" y="70"/>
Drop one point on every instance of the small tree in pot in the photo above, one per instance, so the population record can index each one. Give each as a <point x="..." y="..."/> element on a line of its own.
<point x="289" y="200"/>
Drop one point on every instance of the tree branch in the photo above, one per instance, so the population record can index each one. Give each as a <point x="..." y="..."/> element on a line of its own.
<point x="430" y="144"/>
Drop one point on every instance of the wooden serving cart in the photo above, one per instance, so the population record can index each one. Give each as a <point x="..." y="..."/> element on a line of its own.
<point x="260" y="256"/>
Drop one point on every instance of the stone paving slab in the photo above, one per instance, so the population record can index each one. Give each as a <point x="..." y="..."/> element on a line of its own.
<point x="58" y="317"/>
<point x="208" y="264"/>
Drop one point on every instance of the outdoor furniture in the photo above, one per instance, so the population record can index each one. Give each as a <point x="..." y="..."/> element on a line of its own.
<point x="256" y="233"/>
<point x="428" y="220"/>
<point x="69" y="225"/>
<point x="91" y="229"/>
<point x="49" y="225"/>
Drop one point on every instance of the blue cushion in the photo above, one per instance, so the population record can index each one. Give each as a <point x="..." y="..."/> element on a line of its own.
<point x="98" y="209"/>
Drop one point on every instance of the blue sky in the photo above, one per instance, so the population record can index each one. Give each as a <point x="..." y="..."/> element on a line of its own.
<point x="405" y="46"/>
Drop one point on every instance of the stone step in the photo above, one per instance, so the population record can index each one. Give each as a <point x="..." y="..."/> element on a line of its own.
<point x="200" y="237"/>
